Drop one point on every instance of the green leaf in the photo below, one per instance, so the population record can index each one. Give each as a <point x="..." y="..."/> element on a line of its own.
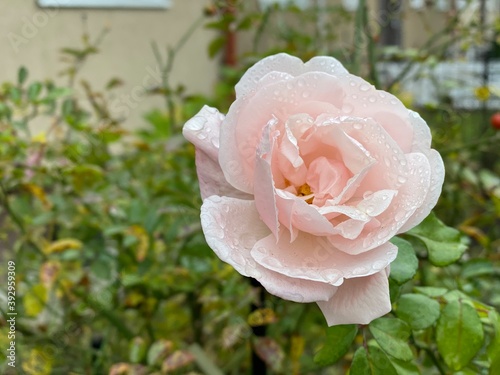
<point x="417" y="310"/>
<point x="459" y="334"/>
<point x="338" y="341"/>
<point x="431" y="291"/>
<point x="360" y="364"/>
<point x="138" y="349"/>
<point x="443" y="243"/>
<point x="34" y="90"/>
<point x="494" y="346"/>
<point x="204" y="361"/>
<point x="405" y="368"/>
<point x="392" y="336"/>
<point x="405" y="265"/>
<point x="373" y="362"/>
<point x="22" y="75"/>
<point x="215" y="46"/>
<point x="34" y="300"/>
<point x="477" y="267"/>
<point x="158" y="351"/>
<point x="380" y="363"/>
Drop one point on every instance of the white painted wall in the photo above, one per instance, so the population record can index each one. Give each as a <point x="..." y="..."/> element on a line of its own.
<point x="32" y="36"/>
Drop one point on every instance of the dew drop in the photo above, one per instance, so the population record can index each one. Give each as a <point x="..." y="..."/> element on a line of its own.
<point x="358" y="126"/>
<point x="301" y="82"/>
<point x="306" y="94"/>
<point x="372" y="99"/>
<point x="197" y="125"/>
<point x="364" y="87"/>
<point x="359" y="271"/>
<point x="201" y="135"/>
<point x="401" y="179"/>
<point x="378" y="265"/>
<point x="399" y="216"/>
<point x="347" y="108"/>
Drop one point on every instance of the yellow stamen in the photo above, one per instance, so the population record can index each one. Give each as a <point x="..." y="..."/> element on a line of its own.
<point x="305" y="190"/>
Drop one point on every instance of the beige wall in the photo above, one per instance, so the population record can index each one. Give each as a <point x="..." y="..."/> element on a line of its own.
<point x="32" y="36"/>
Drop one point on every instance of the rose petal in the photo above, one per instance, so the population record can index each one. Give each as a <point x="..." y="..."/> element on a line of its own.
<point x="242" y="128"/>
<point x="358" y="301"/>
<point x="435" y="187"/>
<point x="410" y="197"/>
<point x="265" y="200"/>
<point x="203" y="131"/>
<point x="314" y="258"/>
<point x="232" y="227"/>
<point x="296" y="214"/>
<point x="391" y="163"/>
<point x="422" y="137"/>
<point x="364" y="101"/>
<point x="285" y="63"/>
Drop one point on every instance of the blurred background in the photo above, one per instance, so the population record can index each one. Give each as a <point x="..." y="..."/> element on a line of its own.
<point x="99" y="203"/>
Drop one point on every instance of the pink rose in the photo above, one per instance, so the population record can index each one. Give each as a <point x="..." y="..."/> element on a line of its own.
<point x="306" y="180"/>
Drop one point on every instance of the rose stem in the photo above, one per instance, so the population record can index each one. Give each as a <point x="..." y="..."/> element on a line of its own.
<point x="258" y="365"/>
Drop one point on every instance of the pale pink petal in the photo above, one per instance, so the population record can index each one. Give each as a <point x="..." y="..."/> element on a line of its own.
<point x="358" y="300"/>
<point x="422" y="137"/>
<point x="391" y="167"/>
<point x="232" y="227"/>
<point x="326" y="64"/>
<point x="203" y="131"/>
<point x="376" y="203"/>
<point x="435" y="187"/>
<point x="295" y="214"/>
<point x="281" y="62"/>
<point x="265" y="200"/>
<point x="314" y="258"/>
<point x="352" y="153"/>
<point x="351" y="228"/>
<point x="242" y="128"/>
<point x="410" y="197"/>
<point x="285" y="63"/>
<point x="289" y="160"/>
<point x="363" y="100"/>
<point x="327" y="178"/>
<point x="212" y="180"/>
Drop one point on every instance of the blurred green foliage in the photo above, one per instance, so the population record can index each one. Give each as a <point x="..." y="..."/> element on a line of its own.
<point x="113" y="275"/>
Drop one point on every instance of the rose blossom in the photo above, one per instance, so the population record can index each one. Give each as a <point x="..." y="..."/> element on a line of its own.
<point x="306" y="180"/>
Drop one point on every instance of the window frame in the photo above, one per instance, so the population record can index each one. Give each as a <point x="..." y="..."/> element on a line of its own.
<point x="135" y="4"/>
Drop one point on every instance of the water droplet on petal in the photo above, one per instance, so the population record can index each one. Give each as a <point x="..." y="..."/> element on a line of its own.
<point x="197" y="125"/>
<point x="359" y="271"/>
<point x="364" y="87"/>
<point x="368" y="194"/>
<point x="347" y="108"/>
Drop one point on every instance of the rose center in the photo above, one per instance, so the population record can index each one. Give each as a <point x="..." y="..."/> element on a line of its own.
<point x="326" y="179"/>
